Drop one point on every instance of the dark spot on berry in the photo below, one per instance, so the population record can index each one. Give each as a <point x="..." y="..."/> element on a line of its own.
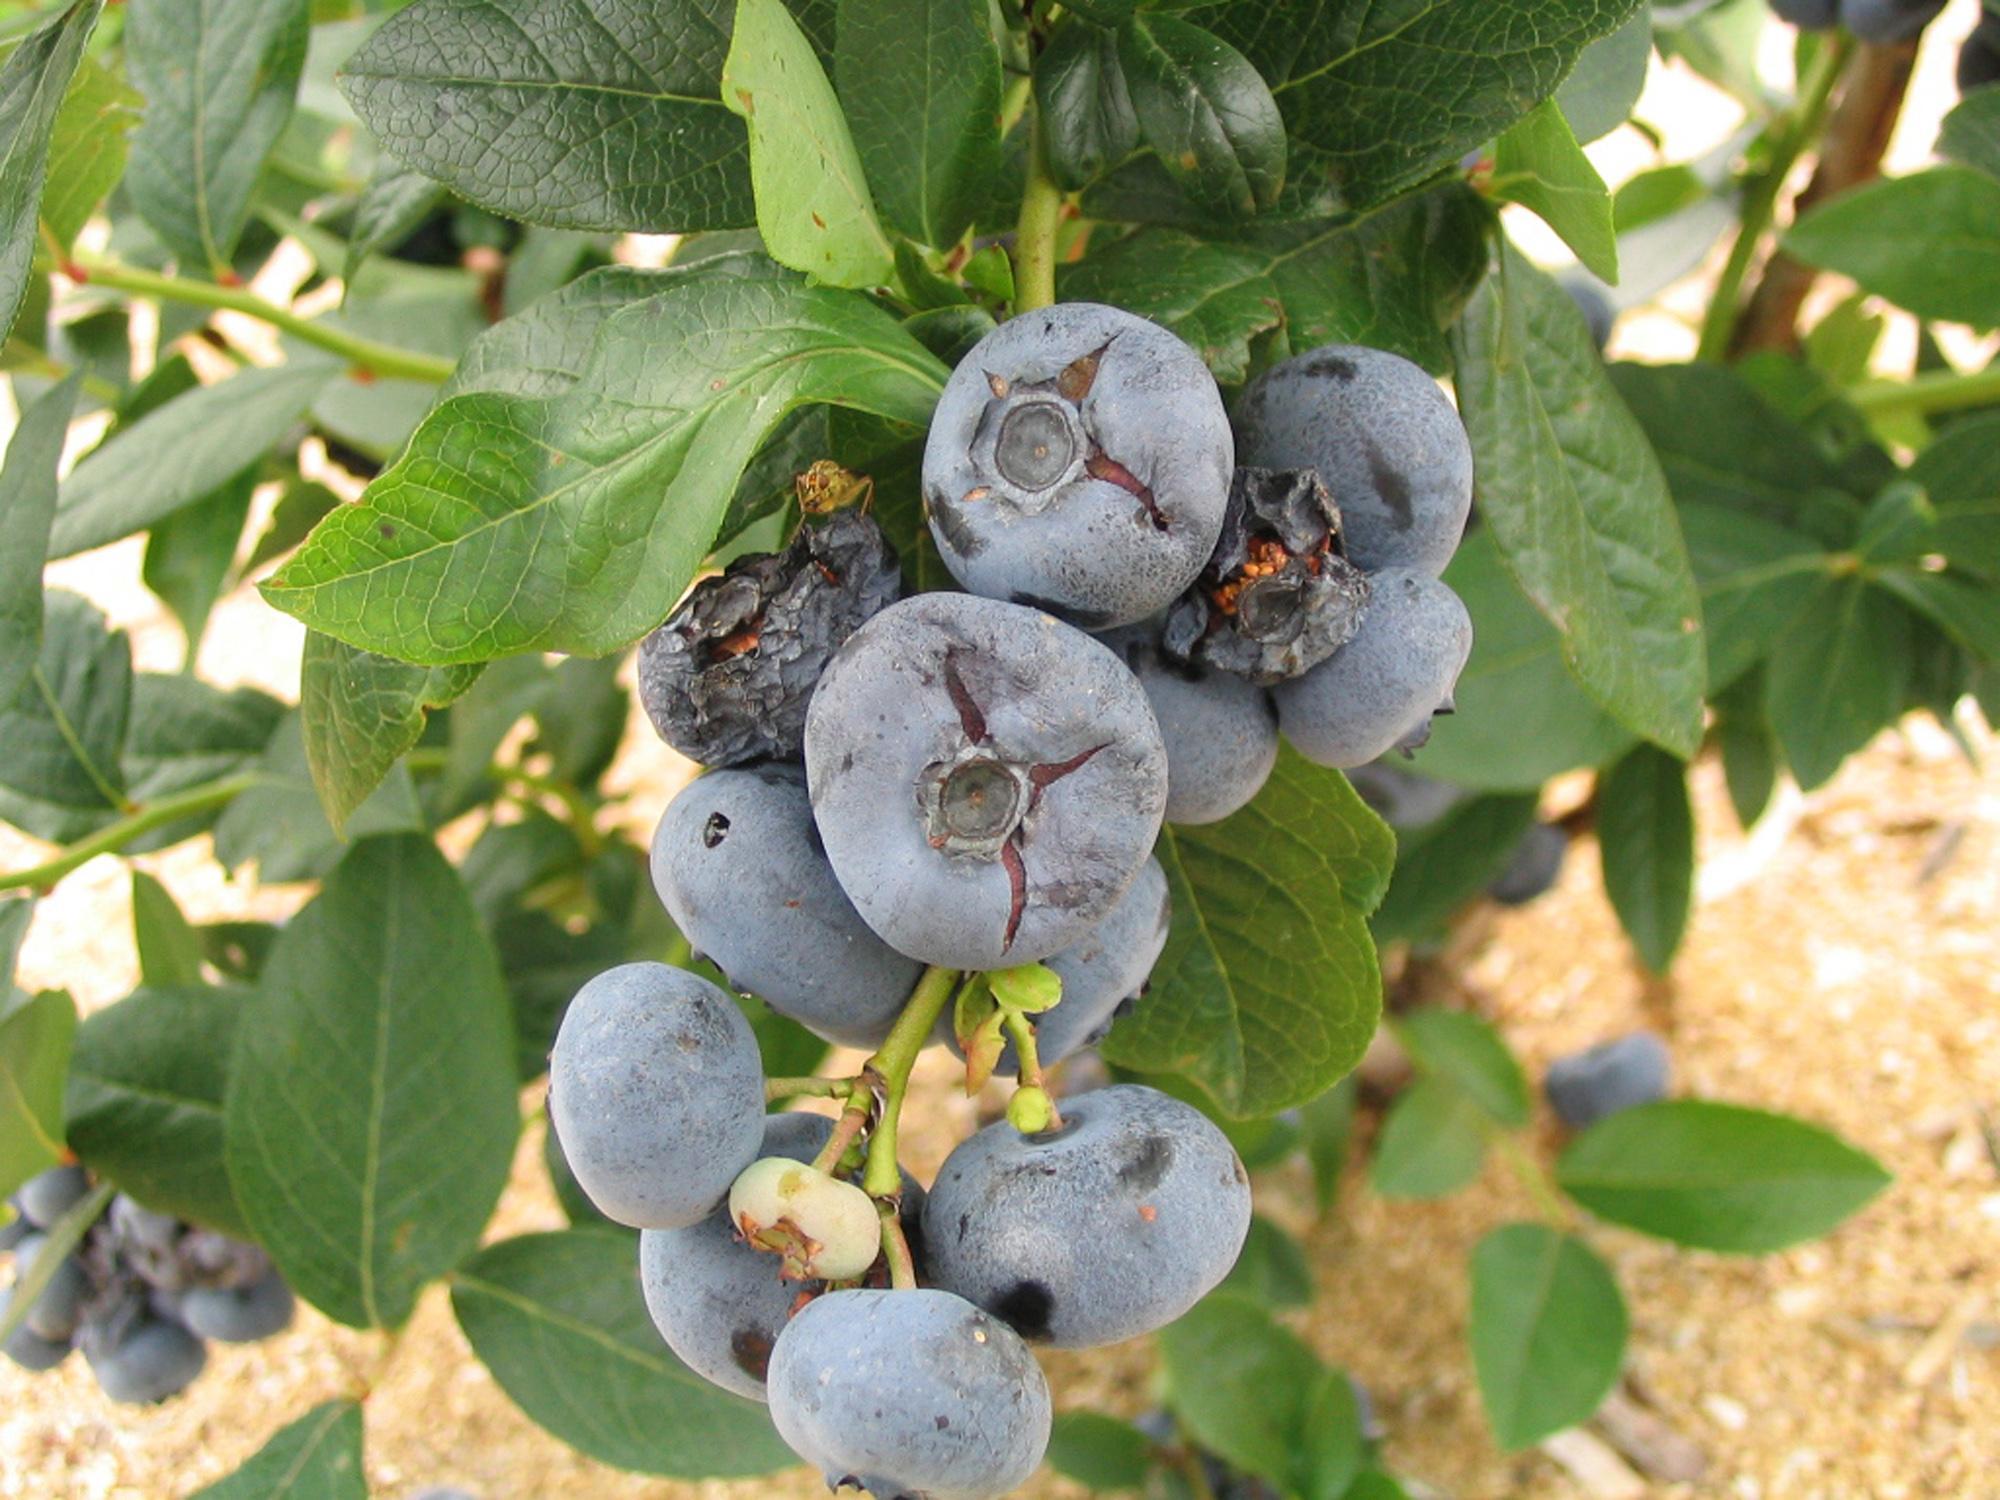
<point x="941" y="1422"/>
<point x="1331" y="367"/>
<point x="964" y="1224"/>
<point x="1145" y="1162"/>
<point x="1026" y="1306"/>
<point x="715" y="830"/>
<point x="1393" y="488"/>
<point x="751" y="1349"/>
<point x="1083" y="619"/>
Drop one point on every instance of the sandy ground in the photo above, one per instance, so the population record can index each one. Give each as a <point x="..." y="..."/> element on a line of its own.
<point x="1843" y="964"/>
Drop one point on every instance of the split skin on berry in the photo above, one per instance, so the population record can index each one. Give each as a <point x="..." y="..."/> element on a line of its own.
<point x="931" y="817"/>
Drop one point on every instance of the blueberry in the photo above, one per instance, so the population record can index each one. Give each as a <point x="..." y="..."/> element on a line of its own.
<point x="147" y="1243"/>
<point x="911" y="1395"/>
<point x="1887" y="22"/>
<point x="1106" y="1229"/>
<point x="57" y="1310"/>
<point x="1401" y="798"/>
<point x="1098" y="975"/>
<point x="1533" y="867"/>
<point x="215" y="1260"/>
<point x="1587" y="292"/>
<point x="1276" y="597"/>
<point x="1378" y="692"/>
<point x="1620" y="1074"/>
<point x="1078" y="461"/>
<point x="1384" y="438"/>
<point x="726" y="678"/>
<point x="658" y="1091"/>
<point x="1220" y="731"/>
<point x="47" y="1196"/>
<point x="1807" y="15"/>
<point x="149" y="1361"/>
<point x="14" y="1230"/>
<point x="239" y="1316"/>
<point x="27" y="1348"/>
<point x="987" y="780"/>
<point x="739" y="866"/>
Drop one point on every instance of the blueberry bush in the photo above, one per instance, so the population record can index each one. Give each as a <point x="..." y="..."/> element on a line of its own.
<point x="1013" y="441"/>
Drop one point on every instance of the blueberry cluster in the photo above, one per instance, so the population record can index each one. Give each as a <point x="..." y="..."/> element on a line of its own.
<point x="931" y="819"/>
<point x="140" y="1294"/>
<point x="1882" y="22"/>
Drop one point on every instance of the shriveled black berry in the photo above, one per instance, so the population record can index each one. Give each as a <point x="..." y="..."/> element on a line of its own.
<point x="1279" y="596"/>
<point x="725" y="680"/>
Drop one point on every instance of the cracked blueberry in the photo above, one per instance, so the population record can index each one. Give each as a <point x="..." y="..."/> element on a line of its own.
<point x="1220" y="730"/>
<point x="910" y="1395"/>
<point x="657" y="1089"/>
<point x="1619" y="1074"/>
<point x="1106" y="1229"/>
<point x="1533" y="867"/>
<point x="725" y="680"/>
<point x="739" y="866"/>
<point x="987" y="780"/>
<point x="1277" y="598"/>
<point x="721" y="1304"/>
<point x="1078" y="461"/>
<point x="1099" y="975"/>
<point x="1379" y="691"/>
<point x="1386" y="441"/>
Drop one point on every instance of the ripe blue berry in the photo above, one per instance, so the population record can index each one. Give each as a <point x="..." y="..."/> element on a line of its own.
<point x="1619" y="1074"/>
<point x="1220" y="731"/>
<point x="239" y="1315"/>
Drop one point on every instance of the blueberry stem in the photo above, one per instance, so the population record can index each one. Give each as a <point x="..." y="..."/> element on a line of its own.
<point x="1035" y="231"/>
<point x="1028" y="1069"/>
<point x="776" y="1089"/>
<point x="896" y="1249"/>
<point x="889" y="1071"/>
<point x="1534" y="1179"/>
<point x="845" y="1129"/>
<point x="63" y="1236"/>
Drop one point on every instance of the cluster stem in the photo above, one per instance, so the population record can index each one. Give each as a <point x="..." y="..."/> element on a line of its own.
<point x="1035" y="230"/>
<point x="888" y="1072"/>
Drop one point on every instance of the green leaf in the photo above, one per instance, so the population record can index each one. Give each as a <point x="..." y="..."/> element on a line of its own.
<point x="1239" y="1383"/>
<point x="559" y="1321"/>
<point x="1432" y="1142"/>
<point x="1645" y="833"/>
<point x="59" y="1241"/>
<point x="919" y="83"/>
<point x="1205" y="111"/>
<point x="1272" y="1269"/>
<point x="1100" y="1453"/>
<point x="1755" y="577"/>
<point x="1750" y="755"/>
<point x="1717" y="1176"/>
<point x="182" y="452"/>
<point x="16" y="912"/>
<point x="145" y="1098"/>
<point x="1267" y="990"/>
<point x="1578" y="505"/>
<point x="1334" y="1447"/>
<point x="580" y="114"/>
<point x="220" y="78"/>
<point x="395" y="202"/>
<point x="1836" y="678"/>
<point x="813" y="206"/>
<point x="574" y="523"/>
<point x="27" y="505"/>
<point x="1472" y="1056"/>
<point x="169" y="950"/>
<point x="1960" y="472"/>
<point x="1516" y="658"/>
<point x="1548" y="1331"/>
<point x="189" y="552"/>
<point x="374" y="1169"/>
<point x="318" y="1457"/>
<point x="1085" y="109"/>
<point x="1950" y="271"/>
<point x="32" y="83"/>
<point x="1380" y="98"/>
<point x="184" y="732"/>
<point x="87" y="148"/>
<point x="66" y="723"/>
<point x="1539" y="165"/>
<point x="1328" y="1126"/>
<point x="1971" y="132"/>
<point x="35" y="1036"/>
<point x="1394" y="281"/>
<point x="1966" y="610"/>
<point x="1600" y="92"/>
<point x="1449" y="862"/>
<point x="360" y="713"/>
<point x="280" y="824"/>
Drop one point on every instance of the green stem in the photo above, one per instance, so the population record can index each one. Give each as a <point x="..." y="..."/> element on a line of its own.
<point x="24" y="359"/>
<point x="1525" y="1167"/>
<point x="136" y="824"/>
<point x="1760" y="203"/>
<point x="889" y="1070"/>
<point x="845" y="1129"/>
<point x="576" y="807"/>
<point x="896" y="1249"/>
<point x="383" y="360"/>
<point x="1028" y="1060"/>
<point x="777" y="1090"/>
<point x="1035" y="232"/>
<point x="1935" y="391"/>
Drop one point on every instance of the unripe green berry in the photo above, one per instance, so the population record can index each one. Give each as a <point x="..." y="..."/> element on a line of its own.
<point x="826" y="1229"/>
<point x="1030" y="1110"/>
